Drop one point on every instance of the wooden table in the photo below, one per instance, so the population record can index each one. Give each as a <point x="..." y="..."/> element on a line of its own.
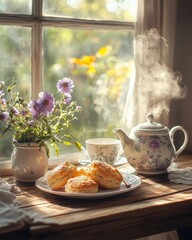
<point x="156" y="206"/>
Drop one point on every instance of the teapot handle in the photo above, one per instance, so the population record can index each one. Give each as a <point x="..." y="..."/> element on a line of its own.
<point x="171" y="134"/>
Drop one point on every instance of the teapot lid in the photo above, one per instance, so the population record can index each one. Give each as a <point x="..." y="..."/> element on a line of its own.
<point x="151" y="126"/>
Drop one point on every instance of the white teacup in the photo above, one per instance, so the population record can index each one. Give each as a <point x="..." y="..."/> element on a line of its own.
<point x="103" y="149"/>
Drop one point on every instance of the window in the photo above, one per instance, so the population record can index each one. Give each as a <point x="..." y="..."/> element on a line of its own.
<point x="91" y="42"/>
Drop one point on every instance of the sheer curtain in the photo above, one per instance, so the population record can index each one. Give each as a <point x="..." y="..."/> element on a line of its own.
<point x="158" y="19"/>
<point x="144" y="96"/>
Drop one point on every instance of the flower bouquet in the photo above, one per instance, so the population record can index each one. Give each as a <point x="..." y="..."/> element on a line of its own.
<point x="40" y="120"/>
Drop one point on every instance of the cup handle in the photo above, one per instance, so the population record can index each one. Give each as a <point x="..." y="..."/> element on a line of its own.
<point x="171" y="134"/>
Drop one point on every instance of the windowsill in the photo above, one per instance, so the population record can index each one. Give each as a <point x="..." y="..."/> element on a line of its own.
<point x="6" y="169"/>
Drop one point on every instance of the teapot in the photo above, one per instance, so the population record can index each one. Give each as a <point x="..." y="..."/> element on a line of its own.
<point x="150" y="148"/>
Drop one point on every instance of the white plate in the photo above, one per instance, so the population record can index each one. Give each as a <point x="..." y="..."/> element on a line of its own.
<point x="134" y="180"/>
<point x="120" y="161"/>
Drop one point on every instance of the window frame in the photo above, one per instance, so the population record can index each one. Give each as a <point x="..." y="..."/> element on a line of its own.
<point x="36" y="21"/>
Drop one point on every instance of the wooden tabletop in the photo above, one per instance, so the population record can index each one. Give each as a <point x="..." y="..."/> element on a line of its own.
<point x="157" y="205"/>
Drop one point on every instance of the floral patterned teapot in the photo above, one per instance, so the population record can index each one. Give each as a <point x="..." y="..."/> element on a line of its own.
<point x="150" y="146"/>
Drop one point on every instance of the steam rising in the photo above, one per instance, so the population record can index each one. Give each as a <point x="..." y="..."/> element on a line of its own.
<point x="158" y="83"/>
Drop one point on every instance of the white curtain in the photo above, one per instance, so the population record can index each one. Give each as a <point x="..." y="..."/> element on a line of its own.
<point x="150" y="90"/>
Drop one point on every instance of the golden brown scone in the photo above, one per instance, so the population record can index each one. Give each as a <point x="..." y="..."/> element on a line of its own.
<point x="81" y="184"/>
<point x="80" y="171"/>
<point x="107" y="176"/>
<point x="58" y="176"/>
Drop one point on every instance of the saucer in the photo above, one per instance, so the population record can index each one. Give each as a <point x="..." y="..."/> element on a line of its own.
<point x="120" y="161"/>
<point x="151" y="172"/>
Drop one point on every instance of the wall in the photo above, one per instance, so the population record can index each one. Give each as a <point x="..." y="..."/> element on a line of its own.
<point x="181" y="110"/>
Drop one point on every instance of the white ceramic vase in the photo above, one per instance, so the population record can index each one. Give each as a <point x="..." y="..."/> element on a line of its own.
<point x="29" y="162"/>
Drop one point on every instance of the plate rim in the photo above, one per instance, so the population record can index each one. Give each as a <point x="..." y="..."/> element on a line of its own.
<point x="103" y="194"/>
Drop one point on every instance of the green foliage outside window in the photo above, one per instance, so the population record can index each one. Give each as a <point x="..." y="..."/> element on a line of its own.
<point x="100" y="62"/>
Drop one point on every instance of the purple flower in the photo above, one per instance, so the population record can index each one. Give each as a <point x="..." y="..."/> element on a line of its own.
<point x="33" y="108"/>
<point x="23" y="112"/>
<point x="15" y="111"/>
<point x="4" y="116"/>
<point x="3" y="101"/>
<point x="154" y="144"/>
<point x="65" y="85"/>
<point x="67" y="98"/>
<point x="46" y="103"/>
<point x="78" y="109"/>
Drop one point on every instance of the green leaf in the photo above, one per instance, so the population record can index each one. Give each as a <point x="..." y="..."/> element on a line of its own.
<point x="68" y="136"/>
<point x="67" y="143"/>
<point x="46" y="148"/>
<point x="56" y="149"/>
<point x="78" y="145"/>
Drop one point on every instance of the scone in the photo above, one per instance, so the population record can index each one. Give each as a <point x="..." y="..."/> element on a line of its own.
<point x="81" y="184"/>
<point x="58" y="176"/>
<point x="107" y="176"/>
<point x="80" y="171"/>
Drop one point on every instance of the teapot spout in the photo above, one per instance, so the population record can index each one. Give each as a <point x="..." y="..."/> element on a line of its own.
<point x="125" y="140"/>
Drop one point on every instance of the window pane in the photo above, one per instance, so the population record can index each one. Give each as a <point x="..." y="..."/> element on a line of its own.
<point x="100" y="64"/>
<point x="15" y="48"/>
<point x="16" y="6"/>
<point x="98" y="9"/>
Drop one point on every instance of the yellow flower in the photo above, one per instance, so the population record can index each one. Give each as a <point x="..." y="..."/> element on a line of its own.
<point x="104" y="51"/>
<point x="84" y="61"/>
